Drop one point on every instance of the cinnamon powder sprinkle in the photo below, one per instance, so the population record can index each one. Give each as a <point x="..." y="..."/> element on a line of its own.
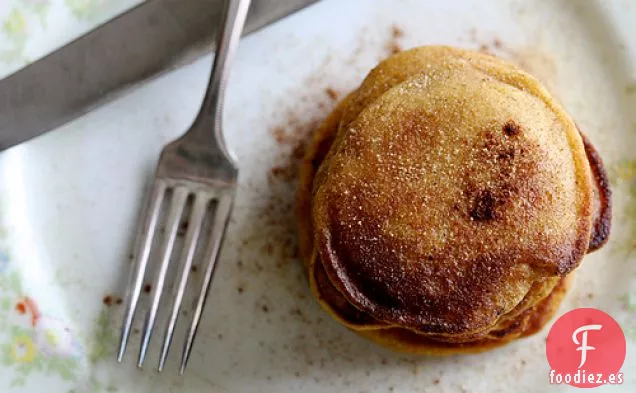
<point x="331" y="93"/>
<point x="394" y="48"/>
<point x="396" y="31"/>
<point x="393" y="45"/>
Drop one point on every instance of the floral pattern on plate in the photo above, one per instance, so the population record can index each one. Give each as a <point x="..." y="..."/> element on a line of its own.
<point x="43" y="344"/>
<point x="32" y="342"/>
<point x="35" y="341"/>
<point x="623" y="176"/>
<point x="32" y="28"/>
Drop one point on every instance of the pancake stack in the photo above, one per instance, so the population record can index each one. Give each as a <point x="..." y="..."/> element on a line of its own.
<point x="445" y="203"/>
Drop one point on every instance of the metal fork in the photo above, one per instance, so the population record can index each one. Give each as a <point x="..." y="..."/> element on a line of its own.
<point x="196" y="167"/>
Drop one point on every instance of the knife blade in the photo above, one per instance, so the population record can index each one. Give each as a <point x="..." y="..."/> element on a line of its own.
<point x="155" y="36"/>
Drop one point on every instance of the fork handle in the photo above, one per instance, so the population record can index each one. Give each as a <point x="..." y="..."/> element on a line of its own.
<point x="228" y="35"/>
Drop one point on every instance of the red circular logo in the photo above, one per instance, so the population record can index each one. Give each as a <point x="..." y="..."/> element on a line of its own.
<point x="586" y="348"/>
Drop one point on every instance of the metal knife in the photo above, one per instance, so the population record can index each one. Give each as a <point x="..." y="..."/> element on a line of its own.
<point x="153" y="37"/>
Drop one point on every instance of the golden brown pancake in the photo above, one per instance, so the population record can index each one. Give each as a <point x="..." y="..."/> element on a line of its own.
<point x="441" y="204"/>
<point x="602" y="198"/>
<point x="404" y="340"/>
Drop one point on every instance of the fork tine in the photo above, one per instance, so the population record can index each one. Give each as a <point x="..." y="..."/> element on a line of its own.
<point x="221" y="219"/>
<point x="143" y="242"/>
<point x="189" y="247"/>
<point x="177" y="205"/>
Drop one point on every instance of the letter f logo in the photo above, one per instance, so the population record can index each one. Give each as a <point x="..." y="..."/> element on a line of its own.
<point x="583" y="344"/>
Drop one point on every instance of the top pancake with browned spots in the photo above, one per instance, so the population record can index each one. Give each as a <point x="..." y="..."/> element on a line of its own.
<point x="449" y="192"/>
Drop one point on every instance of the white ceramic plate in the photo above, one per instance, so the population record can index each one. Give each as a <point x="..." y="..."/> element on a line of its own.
<point x="68" y="204"/>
